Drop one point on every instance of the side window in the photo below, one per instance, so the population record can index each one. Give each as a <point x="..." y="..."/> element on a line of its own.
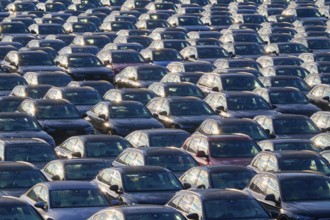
<point x="129" y="160"/>
<point x="33" y="194"/>
<point x="2" y="153"/>
<point x="193" y="145"/>
<point x="185" y="203"/>
<point x="196" y="207"/>
<point x="175" y="201"/>
<point x="272" y="164"/>
<point x="116" y="179"/>
<point x="105" y="177"/>
<point x="122" y="157"/>
<point x="262" y="162"/>
<point x="259" y="184"/>
<point x="138" y="160"/>
<point x="318" y="91"/>
<point x="204" y="146"/>
<point x="192" y="176"/>
<point x="203" y="179"/>
<point x="143" y="141"/>
<point x="273" y="188"/>
<point x="43" y="196"/>
<point x="49" y="168"/>
<point x="70" y="144"/>
<point x="268" y="124"/>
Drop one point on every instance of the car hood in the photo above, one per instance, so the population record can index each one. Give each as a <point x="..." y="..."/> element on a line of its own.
<point x="73" y="213"/>
<point x="301" y="109"/>
<point x="28" y="134"/>
<point x="158" y="198"/>
<point x="249" y="113"/>
<point x="24" y="69"/>
<point x="319" y="209"/>
<point x="244" y="161"/>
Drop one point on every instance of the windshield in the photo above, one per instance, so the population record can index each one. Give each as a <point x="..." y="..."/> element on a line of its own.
<point x="167" y="140"/>
<point x="70" y="198"/>
<point x="83" y="97"/>
<point x="35" y="59"/>
<point x="84" y="61"/>
<point x="187" y="21"/>
<point x="294" y="126"/>
<point x="251" y="49"/>
<point x="233" y="148"/>
<point x="151" y="182"/>
<point x="199" y="68"/>
<point x="212" y="53"/>
<point x="185" y="90"/>
<point x="288" y="98"/>
<point x="143" y="97"/>
<point x="50" y="29"/>
<point x="304" y="189"/>
<point x="18" y="124"/>
<point x="307" y="12"/>
<point x="297" y="83"/>
<point x="111" y="148"/>
<point x="240" y="83"/>
<point x="175" y="163"/>
<point x="234" y="209"/>
<point x="30" y="153"/>
<point x="20" y="179"/>
<point x="152" y="74"/>
<point x="57" y="111"/>
<point x="296" y="146"/>
<point x="300" y="72"/>
<point x="169" y="55"/>
<point x="253" y="38"/>
<point x="56" y="80"/>
<point x="221" y="20"/>
<point x="127" y="58"/>
<point x="290" y="62"/>
<point x="246" y="103"/>
<point x="129" y="111"/>
<point x="315" y="164"/>
<point x="324" y="68"/>
<point x="254" y="131"/>
<point x="8" y="83"/>
<point x="155" y="216"/>
<point x="292" y="48"/>
<point x="21" y="212"/>
<point x="187" y="108"/>
<point x="235" y="179"/>
<point x="83" y="171"/>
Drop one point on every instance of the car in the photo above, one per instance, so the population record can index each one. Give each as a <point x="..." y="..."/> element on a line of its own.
<point x="82" y="66"/>
<point x="208" y="53"/>
<point x="176" y="89"/>
<point x="285" y="70"/>
<point x="73" y="169"/>
<point x="237" y="63"/>
<point x="66" y="199"/>
<point x="219" y="177"/>
<point x="12" y="206"/>
<point x="21" y="125"/>
<point x="8" y="81"/>
<point x="217" y="204"/>
<point x="290" y="160"/>
<point x="319" y="96"/>
<point x="316" y="44"/>
<point x="317" y="67"/>
<point x="198" y="66"/>
<point x="121" y="118"/>
<point x="84" y="98"/>
<point x="163" y="137"/>
<point x="244" y="50"/>
<point x="314" y="79"/>
<point x="294" y="190"/>
<point x="117" y="60"/>
<point x="181" y="112"/>
<point x="233" y="125"/>
<point x="138" y="185"/>
<point x="45" y="29"/>
<point x="13" y="28"/>
<point x="79" y="27"/>
<point x="48" y="78"/>
<point x="58" y="117"/>
<point x="177" y="44"/>
<point x="25" y="61"/>
<point x="140" y="76"/>
<point x="191" y="23"/>
<point x="234" y="104"/>
<point x="288" y="144"/>
<point x="99" y="146"/>
<point x="18" y="177"/>
<point x="287" y="100"/>
<point x="138" y="211"/>
<point x="224" y="149"/>
<point x="285" y="81"/>
<point x="32" y="150"/>
<point x="176" y="160"/>
<point x="320" y="118"/>
<point x="212" y="82"/>
<point x="123" y="46"/>
<point x="288" y="126"/>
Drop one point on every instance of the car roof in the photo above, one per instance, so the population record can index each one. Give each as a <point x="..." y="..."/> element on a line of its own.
<point x="287" y="140"/>
<point x="80" y="160"/>
<point x="224" y="137"/>
<point x="285" y="116"/>
<point x="11" y="201"/>
<point x="162" y="131"/>
<point x="138" y="169"/>
<point x="58" y="185"/>
<point x="294" y="175"/>
<point x="97" y="137"/>
<point x="15" y="141"/>
<point x="159" y="151"/>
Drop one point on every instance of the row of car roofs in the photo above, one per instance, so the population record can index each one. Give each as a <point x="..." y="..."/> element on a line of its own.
<point x="218" y="51"/>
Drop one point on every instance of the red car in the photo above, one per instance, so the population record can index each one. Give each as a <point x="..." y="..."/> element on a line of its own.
<point x="232" y="149"/>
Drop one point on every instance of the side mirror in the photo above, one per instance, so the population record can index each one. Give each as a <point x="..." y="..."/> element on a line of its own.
<point x="40" y="205"/>
<point x="326" y="98"/>
<point x="162" y="113"/>
<point x="103" y="116"/>
<point x="193" y="216"/>
<point x="201" y="153"/>
<point x="220" y="109"/>
<point x="155" y="115"/>
<point x="186" y="185"/>
<point x="231" y="54"/>
<point x="56" y="177"/>
<point x="215" y="89"/>
<point x="201" y="186"/>
<point x="76" y="154"/>
<point x="13" y="64"/>
<point x="271" y="197"/>
<point x="310" y="50"/>
<point x="192" y="56"/>
<point x="148" y="59"/>
<point x="115" y="188"/>
<point x="33" y="32"/>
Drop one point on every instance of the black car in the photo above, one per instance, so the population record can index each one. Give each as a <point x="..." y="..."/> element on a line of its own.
<point x="176" y="160"/>
<point x="99" y="146"/>
<point x="185" y="113"/>
<point x="290" y="160"/>
<point x="58" y="117"/>
<point x="121" y="118"/>
<point x="138" y="185"/>
<point x="73" y="169"/>
<point x="292" y="195"/>
<point x="220" y="177"/>
<point x="285" y="81"/>
<point x="82" y="66"/>
<point x="17" y="177"/>
<point x="30" y="91"/>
